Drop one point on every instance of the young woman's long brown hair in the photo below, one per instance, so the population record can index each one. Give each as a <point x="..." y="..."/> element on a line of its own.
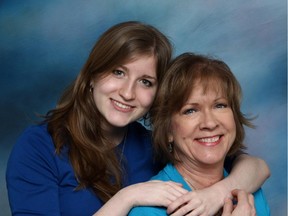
<point x="76" y="123"/>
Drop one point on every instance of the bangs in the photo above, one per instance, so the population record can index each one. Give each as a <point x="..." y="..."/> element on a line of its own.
<point x="213" y="79"/>
<point x="215" y="84"/>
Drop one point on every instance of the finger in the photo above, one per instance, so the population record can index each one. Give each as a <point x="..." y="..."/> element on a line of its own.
<point x="251" y="201"/>
<point x="175" y="190"/>
<point x="169" y="186"/>
<point x="176" y="183"/>
<point x="168" y="182"/>
<point x="172" y="191"/>
<point x="245" y="202"/>
<point x="228" y="207"/>
<point x="162" y="193"/>
<point x="176" y="204"/>
<point x="241" y="196"/>
<point x="187" y="206"/>
<point x="198" y="211"/>
<point x="178" y="187"/>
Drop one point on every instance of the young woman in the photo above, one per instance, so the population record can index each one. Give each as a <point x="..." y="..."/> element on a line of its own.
<point x="91" y="145"/>
<point x="197" y="122"/>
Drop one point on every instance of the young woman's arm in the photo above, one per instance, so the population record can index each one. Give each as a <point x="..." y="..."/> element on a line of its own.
<point x="151" y="193"/>
<point x="248" y="174"/>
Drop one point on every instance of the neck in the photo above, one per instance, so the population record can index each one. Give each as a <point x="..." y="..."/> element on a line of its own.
<point x="116" y="134"/>
<point x="199" y="177"/>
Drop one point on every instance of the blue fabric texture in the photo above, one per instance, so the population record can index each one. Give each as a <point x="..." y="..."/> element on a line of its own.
<point x="170" y="173"/>
<point x="40" y="182"/>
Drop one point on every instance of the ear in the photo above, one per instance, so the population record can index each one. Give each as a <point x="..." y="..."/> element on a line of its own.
<point x="170" y="137"/>
<point x="91" y="84"/>
<point x="91" y="87"/>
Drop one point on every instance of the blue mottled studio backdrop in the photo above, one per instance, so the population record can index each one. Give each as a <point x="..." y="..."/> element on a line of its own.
<point x="43" y="45"/>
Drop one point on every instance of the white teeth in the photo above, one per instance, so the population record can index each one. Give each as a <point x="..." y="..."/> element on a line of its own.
<point x="213" y="139"/>
<point x="122" y="105"/>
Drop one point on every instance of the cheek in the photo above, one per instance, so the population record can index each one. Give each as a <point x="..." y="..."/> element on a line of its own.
<point x="146" y="98"/>
<point x="232" y="124"/>
<point x="107" y="84"/>
<point x="179" y="132"/>
<point x="231" y="127"/>
<point x="106" y="87"/>
<point x="233" y="131"/>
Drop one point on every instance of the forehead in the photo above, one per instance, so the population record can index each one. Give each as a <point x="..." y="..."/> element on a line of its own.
<point x="215" y="85"/>
<point x="144" y="63"/>
<point x="137" y="56"/>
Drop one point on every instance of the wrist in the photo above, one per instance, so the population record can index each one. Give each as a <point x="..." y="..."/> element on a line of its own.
<point x="224" y="188"/>
<point x="126" y="197"/>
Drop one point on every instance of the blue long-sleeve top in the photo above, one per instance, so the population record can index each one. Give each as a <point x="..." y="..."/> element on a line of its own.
<point x="40" y="182"/>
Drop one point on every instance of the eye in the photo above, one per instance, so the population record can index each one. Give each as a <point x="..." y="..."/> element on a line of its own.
<point x="146" y="82"/>
<point x="221" y="105"/>
<point x="118" y="73"/>
<point x="189" y="111"/>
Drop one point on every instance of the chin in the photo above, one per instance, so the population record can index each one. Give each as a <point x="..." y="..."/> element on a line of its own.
<point x="212" y="160"/>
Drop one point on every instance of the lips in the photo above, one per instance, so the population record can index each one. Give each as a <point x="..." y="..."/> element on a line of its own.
<point x="210" y="141"/>
<point x="121" y="107"/>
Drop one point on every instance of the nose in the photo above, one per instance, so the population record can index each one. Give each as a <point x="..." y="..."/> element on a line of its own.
<point x="208" y="120"/>
<point x="127" y="91"/>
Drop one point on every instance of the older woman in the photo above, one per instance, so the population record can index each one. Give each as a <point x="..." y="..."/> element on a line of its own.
<point x="197" y="123"/>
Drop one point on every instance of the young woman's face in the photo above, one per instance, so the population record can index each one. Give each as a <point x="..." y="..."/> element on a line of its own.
<point x="127" y="93"/>
<point x="204" y="129"/>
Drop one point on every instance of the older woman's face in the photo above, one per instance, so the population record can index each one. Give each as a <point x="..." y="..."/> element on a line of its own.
<point x="204" y="129"/>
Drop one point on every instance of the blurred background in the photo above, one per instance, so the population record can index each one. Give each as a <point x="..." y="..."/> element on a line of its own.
<point x="44" y="44"/>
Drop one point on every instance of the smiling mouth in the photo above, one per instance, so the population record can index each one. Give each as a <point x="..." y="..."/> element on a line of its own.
<point x="210" y="141"/>
<point x="121" y="106"/>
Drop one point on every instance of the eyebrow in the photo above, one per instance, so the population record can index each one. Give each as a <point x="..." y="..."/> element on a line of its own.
<point x="196" y="103"/>
<point x="121" y="66"/>
<point x="144" y="76"/>
<point x="221" y="98"/>
<point x="150" y="77"/>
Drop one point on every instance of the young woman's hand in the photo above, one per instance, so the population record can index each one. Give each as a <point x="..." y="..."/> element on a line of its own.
<point x="154" y="193"/>
<point x="207" y="201"/>
<point x="151" y="193"/>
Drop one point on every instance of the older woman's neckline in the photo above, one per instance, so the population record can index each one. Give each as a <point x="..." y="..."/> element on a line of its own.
<point x="197" y="178"/>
